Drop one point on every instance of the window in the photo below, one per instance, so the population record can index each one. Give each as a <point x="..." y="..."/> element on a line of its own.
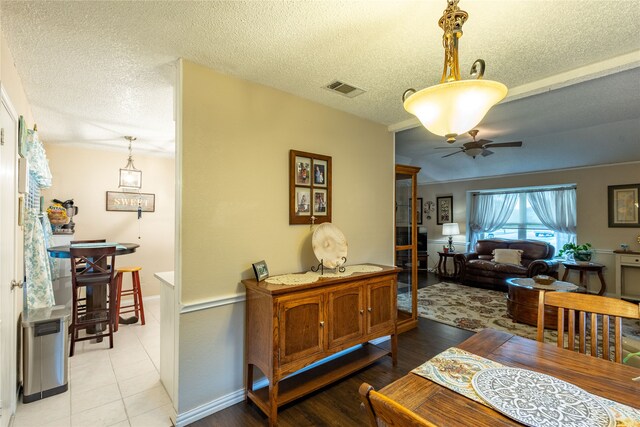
<point x="555" y="205"/>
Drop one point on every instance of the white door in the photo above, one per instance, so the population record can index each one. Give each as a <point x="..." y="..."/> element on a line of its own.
<point x="8" y="229"/>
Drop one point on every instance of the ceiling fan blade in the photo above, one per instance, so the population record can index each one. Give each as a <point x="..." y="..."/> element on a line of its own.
<point x="444" y="148"/>
<point x="483" y="141"/>
<point x="486" y="153"/>
<point x="505" y="144"/>
<point x="451" y="154"/>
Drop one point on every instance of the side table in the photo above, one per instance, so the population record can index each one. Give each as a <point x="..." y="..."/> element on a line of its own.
<point x="584" y="268"/>
<point x="443" y="273"/>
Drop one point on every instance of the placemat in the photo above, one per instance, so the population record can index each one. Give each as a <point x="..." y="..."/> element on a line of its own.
<point x="454" y="368"/>
<point x="313" y="276"/>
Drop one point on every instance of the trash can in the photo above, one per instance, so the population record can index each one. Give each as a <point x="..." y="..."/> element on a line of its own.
<point x="45" y="359"/>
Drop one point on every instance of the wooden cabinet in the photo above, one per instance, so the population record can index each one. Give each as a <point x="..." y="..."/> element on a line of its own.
<point x="290" y="327"/>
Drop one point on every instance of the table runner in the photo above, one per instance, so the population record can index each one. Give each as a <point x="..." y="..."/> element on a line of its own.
<point x="454" y="368"/>
<point x="314" y="276"/>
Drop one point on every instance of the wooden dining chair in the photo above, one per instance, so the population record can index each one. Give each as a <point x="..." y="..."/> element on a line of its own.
<point x="380" y="408"/>
<point x="577" y="306"/>
<point x="92" y="271"/>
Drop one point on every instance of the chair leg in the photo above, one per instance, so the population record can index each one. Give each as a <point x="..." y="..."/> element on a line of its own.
<point x="116" y="317"/>
<point x="138" y="295"/>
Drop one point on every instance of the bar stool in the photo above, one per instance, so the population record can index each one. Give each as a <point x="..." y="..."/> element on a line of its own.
<point x="135" y="291"/>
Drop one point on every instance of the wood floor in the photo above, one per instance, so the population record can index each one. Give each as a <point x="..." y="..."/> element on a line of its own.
<point x="339" y="404"/>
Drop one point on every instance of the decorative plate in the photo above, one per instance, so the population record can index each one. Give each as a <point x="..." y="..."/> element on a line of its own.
<point x="329" y="245"/>
<point x="536" y="399"/>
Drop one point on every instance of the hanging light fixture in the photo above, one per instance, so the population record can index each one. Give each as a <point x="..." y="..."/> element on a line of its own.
<point x="130" y="177"/>
<point x="454" y="106"/>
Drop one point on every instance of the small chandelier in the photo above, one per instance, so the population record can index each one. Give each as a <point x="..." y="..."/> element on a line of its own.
<point x="454" y="106"/>
<point x="130" y="177"/>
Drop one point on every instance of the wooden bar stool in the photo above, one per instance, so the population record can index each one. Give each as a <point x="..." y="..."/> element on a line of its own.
<point x="135" y="291"/>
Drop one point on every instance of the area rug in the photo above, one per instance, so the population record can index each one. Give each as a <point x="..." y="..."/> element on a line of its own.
<point x="475" y="309"/>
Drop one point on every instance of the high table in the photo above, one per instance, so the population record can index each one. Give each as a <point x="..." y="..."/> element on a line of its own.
<point x="445" y="407"/>
<point x="99" y="299"/>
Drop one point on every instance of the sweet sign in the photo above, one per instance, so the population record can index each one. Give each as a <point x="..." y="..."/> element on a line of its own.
<point x="129" y="202"/>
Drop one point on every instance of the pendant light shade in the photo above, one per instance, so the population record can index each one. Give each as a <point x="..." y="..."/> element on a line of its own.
<point x="130" y="177"/>
<point x="454" y="106"/>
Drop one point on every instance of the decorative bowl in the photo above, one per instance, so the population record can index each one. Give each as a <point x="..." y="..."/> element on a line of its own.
<point x="543" y="279"/>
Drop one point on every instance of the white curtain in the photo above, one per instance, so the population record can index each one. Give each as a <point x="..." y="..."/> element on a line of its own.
<point x="556" y="209"/>
<point x="489" y="212"/>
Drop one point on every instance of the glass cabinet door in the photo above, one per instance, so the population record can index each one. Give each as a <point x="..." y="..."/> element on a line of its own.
<point x="406" y="246"/>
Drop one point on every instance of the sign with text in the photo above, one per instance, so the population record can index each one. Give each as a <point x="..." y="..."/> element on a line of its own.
<point x="129" y="202"/>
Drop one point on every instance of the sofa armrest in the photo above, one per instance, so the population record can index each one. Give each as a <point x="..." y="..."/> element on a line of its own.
<point x="547" y="267"/>
<point x="460" y="262"/>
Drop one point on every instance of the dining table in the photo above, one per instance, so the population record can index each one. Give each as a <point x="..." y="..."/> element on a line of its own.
<point x="443" y="406"/>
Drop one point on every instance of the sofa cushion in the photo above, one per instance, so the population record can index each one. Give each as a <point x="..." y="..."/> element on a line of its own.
<point x="481" y="266"/>
<point x="507" y="256"/>
<point x="532" y="249"/>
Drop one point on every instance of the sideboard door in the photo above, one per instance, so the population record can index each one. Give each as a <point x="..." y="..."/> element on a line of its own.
<point x="346" y="316"/>
<point x="301" y="331"/>
<point x="381" y="305"/>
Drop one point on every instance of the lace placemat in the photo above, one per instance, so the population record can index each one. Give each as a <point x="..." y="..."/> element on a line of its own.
<point x="313" y="276"/>
<point x="454" y="368"/>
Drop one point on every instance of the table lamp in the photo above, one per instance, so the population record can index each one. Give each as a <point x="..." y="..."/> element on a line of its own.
<point x="449" y="229"/>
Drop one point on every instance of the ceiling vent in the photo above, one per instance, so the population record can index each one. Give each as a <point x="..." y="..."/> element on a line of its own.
<point x="344" y="89"/>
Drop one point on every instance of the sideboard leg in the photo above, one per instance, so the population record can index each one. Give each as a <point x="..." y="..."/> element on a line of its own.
<point x="273" y="404"/>
<point x="394" y="349"/>
<point x="249" y="386"/>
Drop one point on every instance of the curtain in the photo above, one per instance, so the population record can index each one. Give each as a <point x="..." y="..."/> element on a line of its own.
<point x="38" y="164"/>
<point x="489" y="212"/>
<point x="36" y="263"/>
<point x="556" y="209"/>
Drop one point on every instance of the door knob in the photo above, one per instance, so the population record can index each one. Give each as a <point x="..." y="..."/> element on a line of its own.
<point x="16" y="284"/>
<point x="369" y="309"/>
<point x="361" y="311"/>
<point x="322" y="324"/>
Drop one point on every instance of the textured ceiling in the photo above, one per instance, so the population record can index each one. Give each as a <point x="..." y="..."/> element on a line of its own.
<point x="95" y="71"/>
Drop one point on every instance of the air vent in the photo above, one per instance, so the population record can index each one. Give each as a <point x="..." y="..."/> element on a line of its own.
<point x="344" y="89"/>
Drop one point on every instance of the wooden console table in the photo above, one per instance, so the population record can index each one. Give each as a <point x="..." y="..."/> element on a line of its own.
<point x="292" y="326"/>
<point x="625" y="259"/>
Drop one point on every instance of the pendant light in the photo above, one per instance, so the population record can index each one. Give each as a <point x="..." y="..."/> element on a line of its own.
<point x="130" y="177"/>
<point x="454" y="106"/>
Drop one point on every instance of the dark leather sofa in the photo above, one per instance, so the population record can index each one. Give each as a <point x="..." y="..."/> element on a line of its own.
<point x="477" y="267"/>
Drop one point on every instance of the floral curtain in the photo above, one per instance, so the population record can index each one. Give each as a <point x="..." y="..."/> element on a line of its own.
<point x="37" y="269"/>
<point x="489" y="212"/>
<point x="38" y="164"/>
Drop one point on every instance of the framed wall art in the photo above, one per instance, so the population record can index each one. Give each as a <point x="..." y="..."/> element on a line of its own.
<point x="128" y="202"/>
<point x="624" y="210"/>
<point x="419" y="211"/>
<point x="444" y="209"/>
<point x="309" y="188"/>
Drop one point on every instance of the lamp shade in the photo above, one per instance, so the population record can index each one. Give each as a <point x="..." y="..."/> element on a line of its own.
<point x="455" y="107"/>
<point x="450" y="228"/>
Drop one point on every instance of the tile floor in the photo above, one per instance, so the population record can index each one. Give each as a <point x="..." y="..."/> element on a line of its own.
<point x="124" y="389"/>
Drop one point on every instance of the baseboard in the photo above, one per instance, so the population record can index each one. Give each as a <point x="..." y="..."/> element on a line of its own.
<point x="209" y="408"/>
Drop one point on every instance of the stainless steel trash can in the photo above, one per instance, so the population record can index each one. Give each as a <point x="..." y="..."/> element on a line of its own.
<point x="45" y="359"/>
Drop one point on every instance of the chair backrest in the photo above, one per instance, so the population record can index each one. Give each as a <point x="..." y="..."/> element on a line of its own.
<point x="379" y="407"/>
<point x="611" y="310"/>
<point x="92" y="266"/>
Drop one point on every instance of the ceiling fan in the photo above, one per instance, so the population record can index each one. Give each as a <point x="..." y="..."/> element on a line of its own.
<point x="475" y="148"/>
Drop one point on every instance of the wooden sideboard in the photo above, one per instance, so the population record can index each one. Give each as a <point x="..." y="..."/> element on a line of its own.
<point x="292" y="326"/>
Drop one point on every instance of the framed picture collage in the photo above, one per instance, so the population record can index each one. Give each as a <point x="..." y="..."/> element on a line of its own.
<point x="309" y="188"/>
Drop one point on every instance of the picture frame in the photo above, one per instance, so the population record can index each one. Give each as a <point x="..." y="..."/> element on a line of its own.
<point x="22" y="137"/>
<point x="118" y="201"/>
<point x="623" y="205"/>
<point x="260" y="270"/>
<point x="419" y="211"/>
<point x="309" y="188"/>
<point x="444" y="209"/>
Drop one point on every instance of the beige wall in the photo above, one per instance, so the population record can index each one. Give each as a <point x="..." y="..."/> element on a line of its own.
<point x="591" y="194"/>
<point x="85" y="175"/>
<point x="236" y="141"/>
<point x="236" y="137"/>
